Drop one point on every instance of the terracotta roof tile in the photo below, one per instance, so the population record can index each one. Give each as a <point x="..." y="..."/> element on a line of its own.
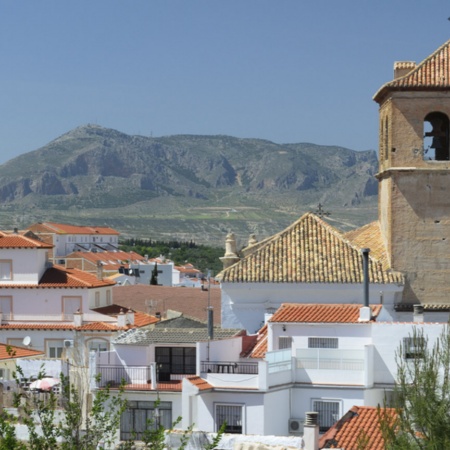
<point x="431" y="74"/>
<point x="62" y="228"/>
<point x="360" y="422"/>
<point x="12" y="351"/>
<point x="200" y="383"/>
<point x="322" y="313"/>
<point x="191" y="301"/>
<point x="20" y="241"/>
<point x="109" y="260"/>
<point x="308" y="251"/>
<point x="261" y="345"/>
<point x="369" y="236"/>
<point x="58" y="276"/>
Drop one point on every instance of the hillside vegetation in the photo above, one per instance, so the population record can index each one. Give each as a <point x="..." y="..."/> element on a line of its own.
<point x="185" y="187"/>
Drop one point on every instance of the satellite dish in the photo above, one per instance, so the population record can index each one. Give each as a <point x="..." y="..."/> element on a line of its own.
<point x="26" y="341"/>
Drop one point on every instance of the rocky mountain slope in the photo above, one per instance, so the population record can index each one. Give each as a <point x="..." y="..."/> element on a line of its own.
<point x="184" y="186"/>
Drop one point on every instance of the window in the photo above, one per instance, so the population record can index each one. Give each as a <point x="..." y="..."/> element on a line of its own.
<point x="98" y="345"/>
<point x="175" y="360"/>
<point x="54" y="348"/>
<point x="322" y="342"/>
<point x="329" y="413"/>
<point x="413" y="347"/>
<point x="232" y="415"/>
<point x="284" y="342"/>
<point x="5" y="269"/>
<point x="70" y="306"/>
<point x="6" y="307"/>
<point x="97" y="299"/>
<point x="108" y="297"/>
<point x="436" y="137"/>
<point x="134" y="420"/>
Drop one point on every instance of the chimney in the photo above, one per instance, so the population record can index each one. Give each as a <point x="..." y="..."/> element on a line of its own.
<point x="130" y="317"/>
<point x="402" y="68"/>
<point x="121" y="319"/>
<point x="365" y="254"/>
<point x="311" y="431"/>
<point x="78" y="319"/>
<point x="418" y="313"/>
<point x="158" y="315"/>
<point x="230" y="256"/>
<point x="16" y="231"/>
<point x="99" y="270"/>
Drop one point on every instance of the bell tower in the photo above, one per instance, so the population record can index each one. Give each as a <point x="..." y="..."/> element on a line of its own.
<point x="414" y="175"/>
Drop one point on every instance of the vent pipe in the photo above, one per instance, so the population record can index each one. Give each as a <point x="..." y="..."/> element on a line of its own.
<point x="311" y="431"/>
<point x="365" y="254"/>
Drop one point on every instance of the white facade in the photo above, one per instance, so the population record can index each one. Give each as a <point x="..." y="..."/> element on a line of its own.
<point x="167" y="274"/>
<point x="244" y="304"/>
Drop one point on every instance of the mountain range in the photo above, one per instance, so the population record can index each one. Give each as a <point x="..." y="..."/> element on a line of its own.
<point x="185" y="187"/>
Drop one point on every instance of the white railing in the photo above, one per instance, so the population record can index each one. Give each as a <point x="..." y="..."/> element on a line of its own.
<point x="279" y="360"/>
<point x="38" y="318"/>
<point x="330" y="359"/>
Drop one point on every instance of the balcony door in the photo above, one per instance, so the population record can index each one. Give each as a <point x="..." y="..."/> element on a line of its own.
<point x="175" y="360"/>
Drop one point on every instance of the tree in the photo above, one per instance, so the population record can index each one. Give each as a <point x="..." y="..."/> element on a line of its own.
<point x="421" y="396"/>
<point x="154" y="278"/>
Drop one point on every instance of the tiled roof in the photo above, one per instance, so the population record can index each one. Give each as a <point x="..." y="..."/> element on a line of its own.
<point x="261" y="345"/>
<point x="200" y="383"/>
<point x="12" y="351"/>
<point x="58" y="276"/>
<point x="308" y="251"/>
<point x="172" y="335"/>
<point x="62" y="228"/>
<point x="190" y="301"/>
<point x="19" y="241"/>
<point x="110" y="260"/>
<point x="369" y="236"/>
<point x="358" y="424"/>
<point x="431" y="74"/>
<point x="321" y="313"/>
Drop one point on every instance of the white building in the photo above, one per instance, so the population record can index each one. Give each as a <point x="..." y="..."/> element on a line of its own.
<point x="70" y="238"/>
<point x="48" y="307"/>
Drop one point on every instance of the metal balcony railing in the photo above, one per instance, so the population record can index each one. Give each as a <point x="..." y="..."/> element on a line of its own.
<point x="114" y="376"/>
<point x="246" y="368"/>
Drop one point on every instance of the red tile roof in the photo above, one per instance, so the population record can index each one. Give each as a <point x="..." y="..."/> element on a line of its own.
<point x="12" y="351"/>
<point x="58" y="276"/>
<point x="357" y="425"/>
<point x="191" y="301"/>
<point x="20" y="241"/>
<point x="323" y="313"/>
<point x="62" y="228"/>
<point x="261" y="344"/>
<point x="308" y="251"/>
<point x="432" y="74"/>
<point x="200" y="383"/>
<point x="109" y="260"/>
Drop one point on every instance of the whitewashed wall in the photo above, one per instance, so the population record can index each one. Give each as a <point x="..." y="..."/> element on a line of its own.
<point x="244" y="304"/>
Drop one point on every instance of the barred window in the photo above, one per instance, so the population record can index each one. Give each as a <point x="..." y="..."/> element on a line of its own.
<point x="329" y="413"/>
<point x="284" y="342"/>
<point x="322" y="342"/>
<point x="232" y="415"/>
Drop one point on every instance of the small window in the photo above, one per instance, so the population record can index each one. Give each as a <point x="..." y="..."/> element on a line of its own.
<point x="329" y="413"/>
<point x="5" y="270"/>
<point x="55" y="348"/>
<point x="232" y="415"/>
<point x="413" y="347"/>
<point x="436" y="137"/>
<point x="322" y="342"/>
<point x="284" y="342"/>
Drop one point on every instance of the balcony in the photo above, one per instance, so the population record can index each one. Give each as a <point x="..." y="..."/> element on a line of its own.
<point x="247" y="368"/>
<point x="114" y="376"/>
<point x="325" y="365"/>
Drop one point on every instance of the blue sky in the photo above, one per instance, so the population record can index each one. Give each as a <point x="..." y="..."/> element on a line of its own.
<point x="283" y="70"/>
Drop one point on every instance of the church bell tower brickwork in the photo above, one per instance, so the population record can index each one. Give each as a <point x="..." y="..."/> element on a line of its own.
<point x="414" y="175"/>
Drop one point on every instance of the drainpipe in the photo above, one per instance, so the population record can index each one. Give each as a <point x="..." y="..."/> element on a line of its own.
<point x="365" y="253"/>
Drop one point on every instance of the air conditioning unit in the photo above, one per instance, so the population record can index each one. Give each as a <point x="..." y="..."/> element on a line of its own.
<point x="68" y="343"/>
<point x="296" y="426"/>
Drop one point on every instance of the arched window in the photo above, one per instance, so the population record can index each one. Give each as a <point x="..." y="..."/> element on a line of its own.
<point x="436" y="137"/>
